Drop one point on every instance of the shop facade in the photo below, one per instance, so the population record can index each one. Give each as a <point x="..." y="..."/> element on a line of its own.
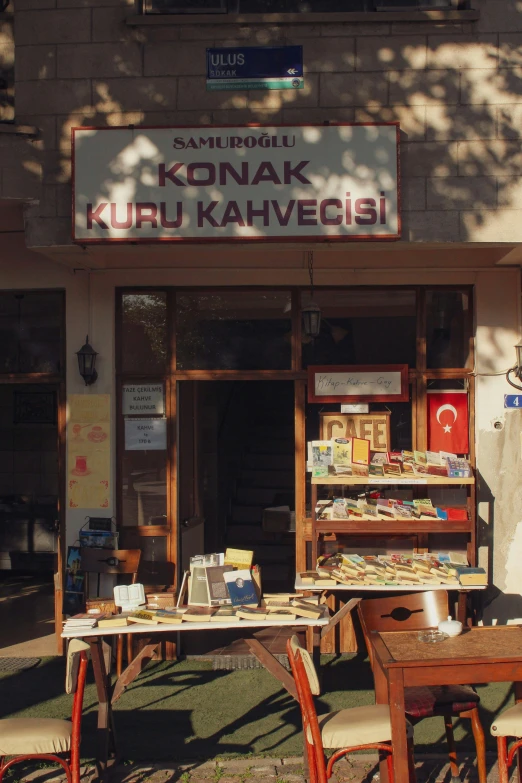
<point x="210" y="335"/>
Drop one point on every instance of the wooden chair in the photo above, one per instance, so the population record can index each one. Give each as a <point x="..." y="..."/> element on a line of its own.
<point x="416" y="611"/>
<point x="45" y="738"/>
<point x="508" y="724"/>
<point x="358" y="728"/>
<point x="111" y="561"/>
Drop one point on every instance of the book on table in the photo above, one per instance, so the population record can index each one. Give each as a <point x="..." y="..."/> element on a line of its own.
<point x="198" y="587"/>
<point x="170" y="615"/>
<point x="217" y="587"/>
<point x="113" y="621"/>
<point x="241" y="588"/>
<point x="251" y="613"/>
<point x="239" y="558"/>
<point x="307" y="610"/>
<point x="143" y="617"/>
<point x="199" y="614"/>
<point x="225" y="614"/>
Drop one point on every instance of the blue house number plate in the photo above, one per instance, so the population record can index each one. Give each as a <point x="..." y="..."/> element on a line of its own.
<point x="513" y="400"/>
<point x="255" y="68"/>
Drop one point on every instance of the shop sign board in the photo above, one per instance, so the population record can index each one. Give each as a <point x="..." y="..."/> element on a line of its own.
<point x="362" y="383"/>
<point x="222" y="184"/>
<point x="145" y="434"/>
<point x="255" y="68"/>
<point x="143" y="398"/>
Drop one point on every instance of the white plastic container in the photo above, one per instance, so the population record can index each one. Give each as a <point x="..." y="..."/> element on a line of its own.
<point x="450" y="627"/>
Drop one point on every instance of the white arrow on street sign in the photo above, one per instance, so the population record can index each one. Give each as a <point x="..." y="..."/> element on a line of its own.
<point x="291" y="71"/>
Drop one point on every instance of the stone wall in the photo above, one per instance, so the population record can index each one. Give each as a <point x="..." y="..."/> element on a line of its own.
<point x="455" y="87"/>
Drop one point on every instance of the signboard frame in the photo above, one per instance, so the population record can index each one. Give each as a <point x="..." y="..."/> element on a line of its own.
<point x="319" y="238"/>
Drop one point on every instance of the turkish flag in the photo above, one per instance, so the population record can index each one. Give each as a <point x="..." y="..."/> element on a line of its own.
<point x="448" y="428"/>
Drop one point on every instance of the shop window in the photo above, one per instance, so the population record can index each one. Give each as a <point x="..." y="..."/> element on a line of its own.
<point x="448" y="329"/>
<point x="144" y="332"/>
<point x="31" y="332"/>
<point x="144" y="488"/>
<point x="144" y="465"/>
<point x="233" y="330"/>
<point x="363" y="327"/>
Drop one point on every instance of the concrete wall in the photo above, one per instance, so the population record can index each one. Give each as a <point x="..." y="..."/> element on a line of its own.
<point x="455" y="87"/>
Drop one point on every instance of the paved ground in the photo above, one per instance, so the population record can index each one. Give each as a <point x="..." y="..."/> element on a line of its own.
<point x="360" y="769"/>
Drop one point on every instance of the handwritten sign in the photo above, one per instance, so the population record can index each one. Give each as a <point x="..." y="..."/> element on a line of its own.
<point x="386" y="383"/>
<point x="145" y="434"/>
<point x="145" y="398"/>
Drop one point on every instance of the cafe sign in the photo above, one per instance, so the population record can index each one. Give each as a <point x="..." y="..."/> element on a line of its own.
<point x="313" y="183"/>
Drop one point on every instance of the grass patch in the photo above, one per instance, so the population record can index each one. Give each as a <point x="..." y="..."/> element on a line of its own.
<point x="183" y="711"/>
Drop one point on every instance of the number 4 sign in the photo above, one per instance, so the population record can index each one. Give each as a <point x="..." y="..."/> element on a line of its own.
<point x="512" y="400"/>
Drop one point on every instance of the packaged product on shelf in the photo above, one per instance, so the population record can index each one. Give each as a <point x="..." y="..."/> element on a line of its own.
<point x="339" y="510"/>
<point x="458" y="468"/>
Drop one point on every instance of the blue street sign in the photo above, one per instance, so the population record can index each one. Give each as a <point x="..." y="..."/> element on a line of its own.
<point x="255" y="68"/>
<point x="513" y="400"/>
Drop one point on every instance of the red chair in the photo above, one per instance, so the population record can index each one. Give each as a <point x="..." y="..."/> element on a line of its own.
<point x="358" y="728"/>
<point x="45" y="738"/>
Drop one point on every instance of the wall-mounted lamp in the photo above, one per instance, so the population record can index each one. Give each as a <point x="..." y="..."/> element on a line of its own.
<point x="517" y="369"/>
<point x="311" y="312"/>
<point x="86" y="362"/>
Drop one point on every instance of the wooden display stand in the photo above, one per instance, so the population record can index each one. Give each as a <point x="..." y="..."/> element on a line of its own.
<point x="369" y="526"/>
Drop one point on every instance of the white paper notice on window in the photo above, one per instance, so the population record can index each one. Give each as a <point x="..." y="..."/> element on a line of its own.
<point x="355" y="384"/>
<point x="145" y="434"/>
<point x="143" y="398"/>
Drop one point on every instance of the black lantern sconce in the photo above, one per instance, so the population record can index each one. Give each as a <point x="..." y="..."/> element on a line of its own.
<point x="517" y="369"/>
<point x="311" y="313"/>
<point x="86" y="362"/>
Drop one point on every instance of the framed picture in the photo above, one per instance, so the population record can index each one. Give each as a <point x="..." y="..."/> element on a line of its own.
<point x="34" y="407"/>
<point x="358" y="383"/>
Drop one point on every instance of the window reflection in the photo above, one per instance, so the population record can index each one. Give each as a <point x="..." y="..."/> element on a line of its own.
<point x="30" y="332"/>
<point x="360" y="326"/>
<point x="144" y="332"/>
<point x="448" y="329"/>
<point x="240" y="330"/>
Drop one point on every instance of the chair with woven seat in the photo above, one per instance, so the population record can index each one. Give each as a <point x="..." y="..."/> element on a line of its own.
<point x="44" y="738"/>
<point x="508" y="724"/>
<point x="415" y="612"/>
<point x="358" y="728"/>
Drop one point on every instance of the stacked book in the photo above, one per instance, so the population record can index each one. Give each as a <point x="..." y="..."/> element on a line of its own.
<point x="376" y="508"/>
<point x="389" y="570"/>
<point x="81" y="622"/>
<point x="352" y="457"/>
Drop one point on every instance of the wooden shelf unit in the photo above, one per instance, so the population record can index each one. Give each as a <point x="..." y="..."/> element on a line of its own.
<point x="369" y="526"/>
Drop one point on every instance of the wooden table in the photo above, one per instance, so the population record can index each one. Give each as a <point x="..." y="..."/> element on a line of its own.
<point x="489" y="654"/>
<point x="108" y="693"/>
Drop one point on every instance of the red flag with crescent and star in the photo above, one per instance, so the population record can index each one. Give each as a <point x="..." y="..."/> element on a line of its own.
<point x="448" y="428"/>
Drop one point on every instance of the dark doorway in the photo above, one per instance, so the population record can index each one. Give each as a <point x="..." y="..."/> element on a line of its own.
<point x="236" y="473"/>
